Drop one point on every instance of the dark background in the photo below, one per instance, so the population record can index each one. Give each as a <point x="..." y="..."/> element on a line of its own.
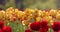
<point x="22" y="4"/>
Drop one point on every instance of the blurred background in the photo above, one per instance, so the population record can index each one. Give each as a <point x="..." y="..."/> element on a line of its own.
<point x="22" y="4"/>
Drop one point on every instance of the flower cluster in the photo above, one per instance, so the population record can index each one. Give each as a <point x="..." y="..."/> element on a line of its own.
<point x="14" y="14"/>
<point x="43" y="27"/>
<point x="39" y="26"/>
<point x="34" y="19"/>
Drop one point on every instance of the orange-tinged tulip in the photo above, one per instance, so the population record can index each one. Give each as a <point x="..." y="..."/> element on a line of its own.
<point x="53" y="12"/>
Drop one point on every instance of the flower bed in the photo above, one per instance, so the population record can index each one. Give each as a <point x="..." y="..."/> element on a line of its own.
<point x="29" y="20"/>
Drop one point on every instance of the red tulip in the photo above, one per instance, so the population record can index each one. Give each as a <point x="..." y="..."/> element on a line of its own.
<point x="42" y="30"/>
<point x="28" y="30"/>
<point x="0" y="30"/>
<point x="44" y="25"/>
<point x="7" y="29"/>
<point x="35" y="26"/>
<point x="14" y="18"/>
<point x="57" y="31"/>
<point x="1" y="25"/>
<point x="56" y="26"/>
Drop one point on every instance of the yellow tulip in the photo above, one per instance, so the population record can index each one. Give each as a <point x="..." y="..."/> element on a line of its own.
<point x="25" y="22"/>
<point x="10" y="9"/>
<point x="36" y="13"/>
<point x="21" y="14"/>
<point x="38" y="18"/>
<point x="58" y="16"/>
<point x="51" y="22"/>
<point x="40" y="13"/>
<point x="48" y="18"/>
<point x="28" y="11"/>
<point x="7" y="16"/>
<point x="2" y="13"/>
<point x="53" y="12"/>
<point x="29" y="17"/>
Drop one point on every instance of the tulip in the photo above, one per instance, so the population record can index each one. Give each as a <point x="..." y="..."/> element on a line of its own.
<point x="1" y="30"/>
<point x="38" y="19"/>
<point x="35" y="26"/>
<point x="7" y="29"/>
<point x="1" y="25"/>
<point x="56" y="26"/>
<point x="28" y="30"/>
<point x="53" y="12"/>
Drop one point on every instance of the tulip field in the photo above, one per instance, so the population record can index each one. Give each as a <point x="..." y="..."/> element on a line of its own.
<point x="29" y="20"/>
